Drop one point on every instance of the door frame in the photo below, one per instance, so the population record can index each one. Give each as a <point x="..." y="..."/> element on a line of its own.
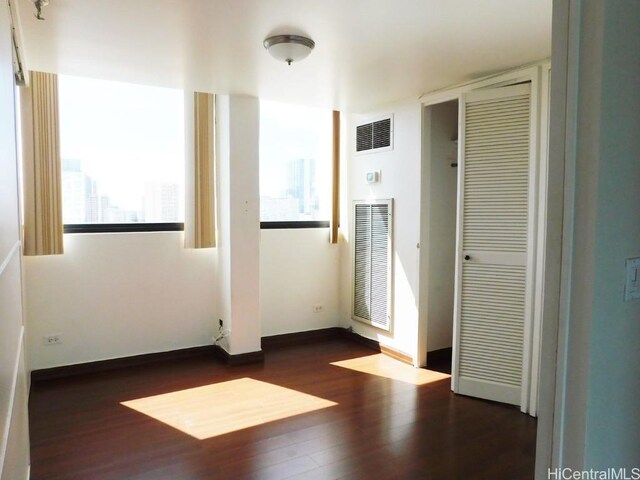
<point x="535" y="74"/>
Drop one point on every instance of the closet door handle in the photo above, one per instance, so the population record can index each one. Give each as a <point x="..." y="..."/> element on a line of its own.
<point x="467" y="257"/>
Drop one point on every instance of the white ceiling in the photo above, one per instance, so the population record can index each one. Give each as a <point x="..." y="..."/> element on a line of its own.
<point x="368" y="52"/>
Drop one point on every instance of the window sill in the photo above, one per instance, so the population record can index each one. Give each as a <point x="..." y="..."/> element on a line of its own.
<point x="122" y="227"/>
<point x="291" y="225"/>
<point x="177" y="227"/>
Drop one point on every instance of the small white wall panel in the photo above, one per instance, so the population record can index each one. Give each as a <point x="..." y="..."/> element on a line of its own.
<point x="16" y="458"/>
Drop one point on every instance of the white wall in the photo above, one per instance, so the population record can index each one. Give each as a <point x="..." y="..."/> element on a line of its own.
<point x="14" y="433"/>
<point x="119" y="294"/>
<point x="596" y="375"/>
<point x="400" y="180"/>
<point x="439" y="199"/>
<point x="116" y="295"/>
<point x="299" y="268"/>
<point x="613" y="416"/>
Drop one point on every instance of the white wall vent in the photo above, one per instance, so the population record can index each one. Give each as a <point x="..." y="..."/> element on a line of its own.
<point x="372" y="227"/>
<point x="375" y="135"/>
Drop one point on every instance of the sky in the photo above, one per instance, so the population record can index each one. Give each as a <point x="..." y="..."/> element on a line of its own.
<point x="290" y="132"/>
<point x="124" y="136"/>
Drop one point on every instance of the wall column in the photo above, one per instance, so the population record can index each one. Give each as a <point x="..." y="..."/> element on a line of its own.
<point x="590" y="367"/>
<point x="237" y="144"/>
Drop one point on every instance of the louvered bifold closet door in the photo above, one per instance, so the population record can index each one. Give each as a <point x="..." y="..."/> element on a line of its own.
<point x="492" y="261"/>
<point x="372" y="262"/>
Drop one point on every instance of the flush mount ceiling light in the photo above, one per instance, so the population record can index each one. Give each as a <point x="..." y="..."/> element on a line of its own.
<point x="289" y="48"/>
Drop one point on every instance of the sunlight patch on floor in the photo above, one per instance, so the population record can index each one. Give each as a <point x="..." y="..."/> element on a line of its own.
<point x="219" y="408"/>
<point x="384" y="366"/>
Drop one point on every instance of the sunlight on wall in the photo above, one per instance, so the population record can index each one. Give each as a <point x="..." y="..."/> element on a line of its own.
<point x="384" y="366"/>
<point x="219" y="408"/>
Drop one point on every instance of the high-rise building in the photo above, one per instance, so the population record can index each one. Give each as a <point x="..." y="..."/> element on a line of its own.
<point x="275" y="209"/>
<point x="85" y="202"/>
<point x="301" y="185"/>
<point x="91" y="201"/>
<point x="81" y="202"/>
<point x="162" y="202"/>
<point x="73" y="194"/>
<point x="169" y="202"/>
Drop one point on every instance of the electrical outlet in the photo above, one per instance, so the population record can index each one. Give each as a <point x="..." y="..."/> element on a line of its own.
<point x="52" y="339"/>
<point x="317" y="308"/>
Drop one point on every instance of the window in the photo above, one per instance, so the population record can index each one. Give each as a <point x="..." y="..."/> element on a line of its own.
<point x="295" y="164"/>
<point x="122" y="149"/>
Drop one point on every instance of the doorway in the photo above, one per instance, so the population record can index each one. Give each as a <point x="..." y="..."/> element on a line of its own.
<point x="438" y="231"/>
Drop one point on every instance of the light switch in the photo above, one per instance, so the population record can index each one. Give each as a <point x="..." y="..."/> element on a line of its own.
<point x="632" y="283"/>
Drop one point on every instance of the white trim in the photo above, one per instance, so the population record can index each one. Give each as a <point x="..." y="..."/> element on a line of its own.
<point x="12" y="396"/>
<point x="532" y="247"/>
<point x="543" y="149"/>
<point x="523" y="72"/>
<point x="489" y="93"/>
<point x="569" y="106"/>
<point x="14" y="249"/>
<point x="420" y="360"/>
<point x="189" y="170"/>
<point x="458" y="264"/>
<point x="562" y="120"/>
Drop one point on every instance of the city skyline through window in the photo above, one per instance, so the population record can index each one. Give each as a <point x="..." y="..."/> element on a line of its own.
<point x="122" y="149"/>
<point x="295" y="162"/>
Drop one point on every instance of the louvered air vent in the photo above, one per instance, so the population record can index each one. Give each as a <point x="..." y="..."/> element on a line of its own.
<point x="375" y="135"/>
<point x="372" y="262"/>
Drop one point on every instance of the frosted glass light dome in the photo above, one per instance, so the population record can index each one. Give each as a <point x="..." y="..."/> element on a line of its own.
<point x="289" y="48"/>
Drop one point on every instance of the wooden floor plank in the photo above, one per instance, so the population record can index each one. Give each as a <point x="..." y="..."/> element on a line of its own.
<point x="384" y="425"/>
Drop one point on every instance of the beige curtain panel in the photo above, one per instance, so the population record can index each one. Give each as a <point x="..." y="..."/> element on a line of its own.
<point x="43" y="227"/>
<point x="335" y="185"/>
<point x="204" y="221"/>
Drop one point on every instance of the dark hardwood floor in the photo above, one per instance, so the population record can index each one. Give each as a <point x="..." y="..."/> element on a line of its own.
<point x="379" y="429"/>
